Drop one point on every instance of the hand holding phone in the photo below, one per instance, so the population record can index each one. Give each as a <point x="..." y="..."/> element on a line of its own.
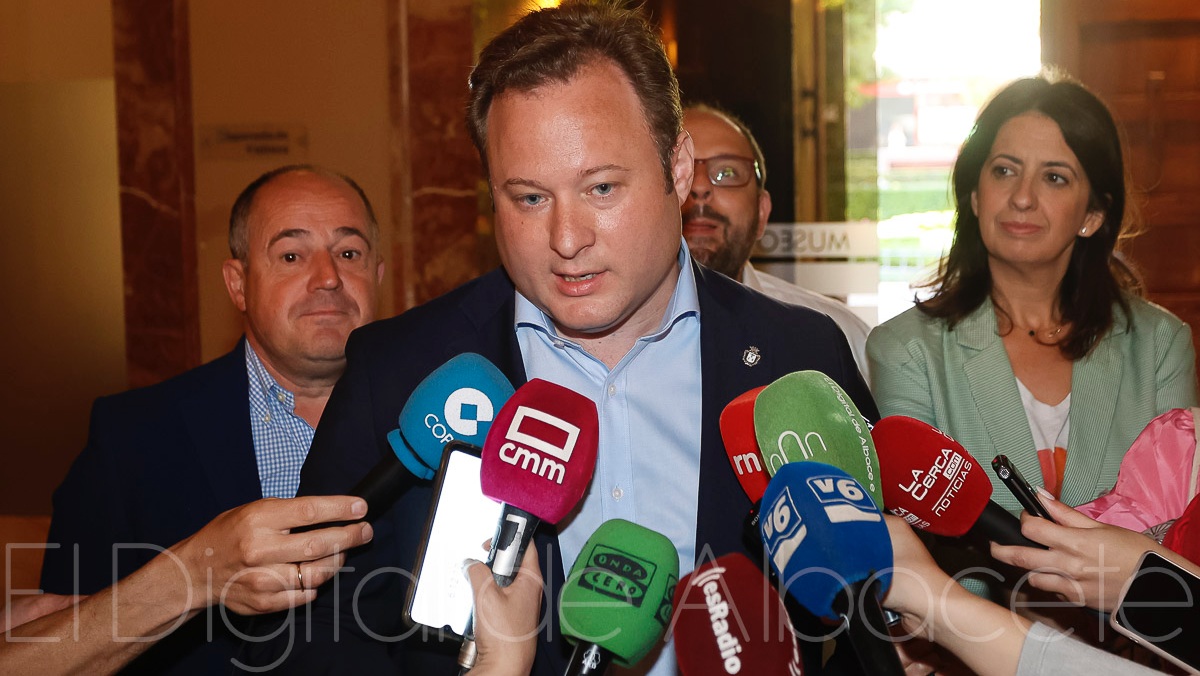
<point x="1019" y="487"/>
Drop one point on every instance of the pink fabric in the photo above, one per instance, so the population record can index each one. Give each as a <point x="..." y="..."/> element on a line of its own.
<point x="1152" y="485"/>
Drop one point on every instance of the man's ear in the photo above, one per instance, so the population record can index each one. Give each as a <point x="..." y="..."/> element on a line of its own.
<point x="683" y="165"/>
<point x="764" y="212"/>
<point x="379" y="270"/>
<point x="234" y="272"/>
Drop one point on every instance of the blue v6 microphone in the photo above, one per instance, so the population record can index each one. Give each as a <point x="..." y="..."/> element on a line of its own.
<point x="828" y="543"/>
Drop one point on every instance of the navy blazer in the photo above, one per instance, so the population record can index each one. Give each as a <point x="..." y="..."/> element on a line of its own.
<point x="387" y="359"/>
<point x="160" y="463"/>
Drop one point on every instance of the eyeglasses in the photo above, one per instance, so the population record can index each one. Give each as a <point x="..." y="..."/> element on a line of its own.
<point x="730" y="171"/>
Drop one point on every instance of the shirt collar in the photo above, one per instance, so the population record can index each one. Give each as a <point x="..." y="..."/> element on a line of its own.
<point x="261" y="380"/>
<point x="684" y="302"/>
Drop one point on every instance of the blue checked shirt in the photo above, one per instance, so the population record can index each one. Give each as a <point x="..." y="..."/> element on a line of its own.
<point x="281" y="438"/>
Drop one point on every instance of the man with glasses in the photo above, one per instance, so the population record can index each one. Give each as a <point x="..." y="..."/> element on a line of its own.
<point x="727" y="210"/>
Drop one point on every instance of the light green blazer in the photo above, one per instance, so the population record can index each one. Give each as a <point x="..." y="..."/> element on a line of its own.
<point x="962" y="382"/>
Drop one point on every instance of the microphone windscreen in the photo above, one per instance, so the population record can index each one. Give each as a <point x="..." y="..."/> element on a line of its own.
<point x="457" y="401"/>
<point x="823" y="533"/>
<point x="541" y="450"/>
<point x="728" y="619"/>
<point x="741" y="444"/>
<point x="618" y="593"/>
<point x="807" y="416"/>
<point x="929" y="479"/>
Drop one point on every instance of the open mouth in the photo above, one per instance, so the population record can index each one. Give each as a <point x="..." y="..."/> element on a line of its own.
<point x="582" y="278"/>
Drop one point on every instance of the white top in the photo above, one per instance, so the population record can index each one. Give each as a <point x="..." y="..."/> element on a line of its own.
<point x="1051" y="427"/>
<point x="852" y="325"/>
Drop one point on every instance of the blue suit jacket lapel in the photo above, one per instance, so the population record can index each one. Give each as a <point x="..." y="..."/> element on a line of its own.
<point x="217" y="419"/>
<point x="724" y="338"/>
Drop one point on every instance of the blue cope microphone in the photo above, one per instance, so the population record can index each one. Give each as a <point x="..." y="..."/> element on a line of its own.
<point x="458" y="401"/>
<point x="829" y="545"/>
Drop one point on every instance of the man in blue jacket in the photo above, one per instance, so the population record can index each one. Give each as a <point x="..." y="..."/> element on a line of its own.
<point x="575" y="113"/>
<point x="163" y="461"/>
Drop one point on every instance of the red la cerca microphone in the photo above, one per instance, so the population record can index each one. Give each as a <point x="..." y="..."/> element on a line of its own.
<point x="538" y="460"/>
<point x="934" y="484"/>
<point x="728" y="619"/>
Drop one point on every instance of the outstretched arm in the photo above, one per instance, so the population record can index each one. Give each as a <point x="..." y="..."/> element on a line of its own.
<point x="245" y="558"/>
<point x="987" y="638"/>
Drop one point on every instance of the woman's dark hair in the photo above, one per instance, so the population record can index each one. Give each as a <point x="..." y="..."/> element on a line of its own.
<point x="1096" y="278"/>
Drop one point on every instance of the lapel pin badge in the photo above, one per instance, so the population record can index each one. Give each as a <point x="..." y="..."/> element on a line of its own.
<point x="751" y="357"/>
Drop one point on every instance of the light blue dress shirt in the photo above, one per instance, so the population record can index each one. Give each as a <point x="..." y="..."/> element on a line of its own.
<point x="648" y="466"/>
<point x="281" y="438"/>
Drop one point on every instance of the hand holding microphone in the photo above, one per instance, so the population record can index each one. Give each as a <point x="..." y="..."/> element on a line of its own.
<point x="506" y="618"/>
<point x="537" y="460"/>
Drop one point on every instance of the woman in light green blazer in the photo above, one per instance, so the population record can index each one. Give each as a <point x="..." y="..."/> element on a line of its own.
<point x="1031" y="291"/>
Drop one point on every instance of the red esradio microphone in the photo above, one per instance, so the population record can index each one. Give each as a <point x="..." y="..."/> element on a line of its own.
<point x="934" y="484"/>
<point x="728" y="619"/>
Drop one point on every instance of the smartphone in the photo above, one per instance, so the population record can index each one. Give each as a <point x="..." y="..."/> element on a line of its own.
<point x="1019" y="487"/>
<point x="1158" y="609"/>
<point x="461" y="518"/>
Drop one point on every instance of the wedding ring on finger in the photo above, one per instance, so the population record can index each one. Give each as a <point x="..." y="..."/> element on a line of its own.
<point x="300" y="576"/>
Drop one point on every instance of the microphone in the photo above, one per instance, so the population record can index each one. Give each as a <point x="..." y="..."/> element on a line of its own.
<point x="828" y="543"/>
<point x="728" y="619"/>
<point x="616" y="601"/>
<point x="807" y="416"/>
<point x="457" y="401"/>
<point x="538" y="460"/>
<point x="741" y="444"/>
<point x="934" y="484"/>
<point x="457" y="398"/>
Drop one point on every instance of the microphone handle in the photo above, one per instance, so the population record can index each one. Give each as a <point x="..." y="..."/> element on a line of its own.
<point x="380" y="488"/>
<point x="468" y="651"/>
<point x="514" y="532"/>
<point x="751" y="535"/>
<point x="867" y="630"/>
<point x="588" y="659"/>
<point x="998" y="525"/>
